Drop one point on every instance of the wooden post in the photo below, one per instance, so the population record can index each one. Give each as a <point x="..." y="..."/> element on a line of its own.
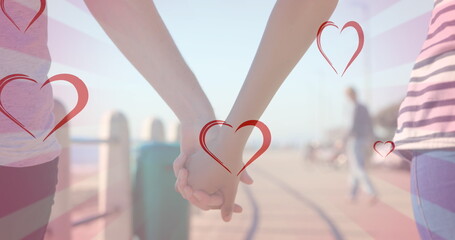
<point x="115" y="184"/>
<point x="154" y="130"/>
<point x="60" y="228"/>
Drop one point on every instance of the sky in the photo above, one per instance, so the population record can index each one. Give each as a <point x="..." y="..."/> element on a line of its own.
<point x="218" y="39"/>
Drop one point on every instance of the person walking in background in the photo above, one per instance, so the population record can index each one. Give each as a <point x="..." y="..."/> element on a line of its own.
<point x="358" y="147"/>
<point x="426" y="127"/>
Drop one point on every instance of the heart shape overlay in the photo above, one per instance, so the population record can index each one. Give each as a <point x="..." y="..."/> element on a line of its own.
<point x="392" y="147"/>
<point x="360" y="33"/>
<point x="267" y="139"/>
<point x="79" y="85"/>
<point x="37" y="15"/>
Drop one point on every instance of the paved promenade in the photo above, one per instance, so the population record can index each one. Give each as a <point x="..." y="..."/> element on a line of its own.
<point x="292" y="200"/>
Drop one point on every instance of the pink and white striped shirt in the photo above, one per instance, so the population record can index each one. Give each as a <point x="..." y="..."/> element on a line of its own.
<point x="25" y="53"/>
<point x="427" y="115"/>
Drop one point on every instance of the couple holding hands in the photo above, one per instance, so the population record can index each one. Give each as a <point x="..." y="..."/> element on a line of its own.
<point x="426" y="122"/>
<point x="28" y="168"/>
<point x="139" y="32"/>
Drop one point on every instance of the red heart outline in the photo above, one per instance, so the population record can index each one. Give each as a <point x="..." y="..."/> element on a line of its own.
<point x="391" y="150"/>
<point x="78" y="84"/>
<point x="267" y="139"/>
<point x="360" y="33"/>
<point x="37" y="15"/>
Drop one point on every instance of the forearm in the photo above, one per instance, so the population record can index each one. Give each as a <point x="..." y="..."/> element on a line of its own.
<point x="140" y="34"/>
<point x="291" y="29"/>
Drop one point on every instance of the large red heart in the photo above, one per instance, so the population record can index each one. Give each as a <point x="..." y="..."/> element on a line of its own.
<point x="267" y="139"/>
<point x="37" y="15"/>
<point x="392" y="147"/>
<point x="352" y="24"/>
<point x="78" y="84"/>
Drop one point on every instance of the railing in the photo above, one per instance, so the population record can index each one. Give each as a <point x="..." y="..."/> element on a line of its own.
<point x="114" y="178"/>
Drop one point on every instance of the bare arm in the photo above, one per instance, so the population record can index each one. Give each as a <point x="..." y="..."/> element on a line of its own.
<point x="137" y="29"/>
<point x="291" y="29"/>
<point x="139" y="32"/>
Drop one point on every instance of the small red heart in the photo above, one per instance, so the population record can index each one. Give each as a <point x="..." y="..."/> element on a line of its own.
<point x="392" y="147"/>
<point x="267" y="139"/>
<point x="82" y="99"/>
<point x="352" y="24"/>
<point x="37" y="15"/>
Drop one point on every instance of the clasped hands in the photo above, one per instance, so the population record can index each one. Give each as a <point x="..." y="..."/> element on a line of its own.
<point x="200" y="179"/>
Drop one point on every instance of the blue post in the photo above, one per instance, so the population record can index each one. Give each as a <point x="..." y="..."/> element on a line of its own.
<point x="160" y="213"/>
